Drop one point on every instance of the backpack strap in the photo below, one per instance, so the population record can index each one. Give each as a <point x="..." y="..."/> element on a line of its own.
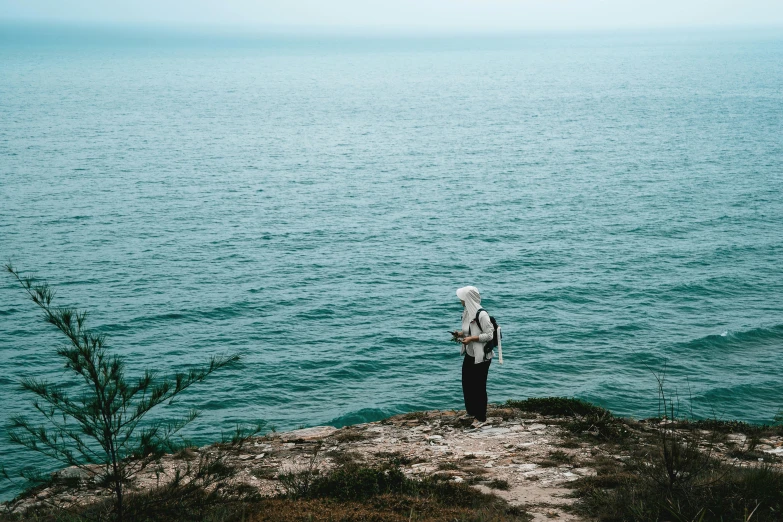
<point x="478" y="323"/>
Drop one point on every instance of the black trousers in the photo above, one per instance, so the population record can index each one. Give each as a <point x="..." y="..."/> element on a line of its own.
<point x="474" y="387"/>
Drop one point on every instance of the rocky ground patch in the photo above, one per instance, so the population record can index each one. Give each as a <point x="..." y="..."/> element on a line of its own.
<point x="549" y="462"/>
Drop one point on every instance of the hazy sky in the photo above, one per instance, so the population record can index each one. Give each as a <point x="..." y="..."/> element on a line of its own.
<point x="419" y="15"/>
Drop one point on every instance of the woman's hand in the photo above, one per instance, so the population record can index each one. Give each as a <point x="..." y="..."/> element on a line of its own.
<point x="467" y="340"/>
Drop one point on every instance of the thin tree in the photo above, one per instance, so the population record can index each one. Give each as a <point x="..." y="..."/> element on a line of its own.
<point x="102" y="429"/>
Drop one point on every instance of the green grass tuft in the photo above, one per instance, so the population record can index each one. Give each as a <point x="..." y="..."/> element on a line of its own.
<point x="558" y="406"/>
<point x="642" y="489"/>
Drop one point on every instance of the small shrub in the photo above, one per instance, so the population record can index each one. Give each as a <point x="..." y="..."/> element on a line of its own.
<point x="357" y="483"/>
<point x="677" y="479"/>
<point x="718" y="492"/>
<point x="352" y="483"/>
<point x="561" y="457"/>
<point x="299" y="484"/>
<point x="448" y="466"/>
<point x="721" y="426"/>
<point x="748" y="455"/>
<point x="344" y="457"/>
<point x="584" y="416"/>
<point x="499" y="484"/>
<point x="395" y="458"/>
<point x="383" y="508"/>
<point x="602" y="425"/>
<point x="558" y="406"/>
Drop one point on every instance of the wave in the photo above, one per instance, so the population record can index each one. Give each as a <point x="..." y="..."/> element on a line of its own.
<point x="316" y="313"/>
<point x="749" y="338"/>
<point x="224" y="312"/>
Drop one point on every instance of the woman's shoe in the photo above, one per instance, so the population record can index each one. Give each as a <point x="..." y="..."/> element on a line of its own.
<point x="476" y="424"/>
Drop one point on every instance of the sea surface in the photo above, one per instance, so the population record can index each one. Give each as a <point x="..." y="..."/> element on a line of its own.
<point x="313" y="203"/>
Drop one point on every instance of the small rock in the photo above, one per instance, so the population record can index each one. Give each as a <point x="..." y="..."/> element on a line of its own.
<point x="536" y="427"/>
<point x="314" y="433"/>
<point x="737" y="438"/>
<point x="73" y="472"/>
<point x="496" y="431"/>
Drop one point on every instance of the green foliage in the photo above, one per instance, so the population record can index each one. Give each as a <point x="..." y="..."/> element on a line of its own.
<point x="396" y="458"/>
<point x="359" y="483"/>
<point x="602" y="425"/>
<point x="561" y="457"/>
<point x="679" y="479"/>
<point x="638" y="491"/>
<point x="498" y="484"/>
<point x="352" y="482"/>
<point x="97" y="421"/>
<point x="558" y="406"/>
<point x="584" y="417"/>
<point x="299" y="484"/>
<point x="722" y="426"/>
<point x="355" y="482"/>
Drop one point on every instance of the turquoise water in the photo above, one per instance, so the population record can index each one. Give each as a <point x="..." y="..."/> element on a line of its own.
<point x="313" y="204"/>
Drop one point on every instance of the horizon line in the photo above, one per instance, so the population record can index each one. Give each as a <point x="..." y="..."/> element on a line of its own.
<point x="259" y="31"/>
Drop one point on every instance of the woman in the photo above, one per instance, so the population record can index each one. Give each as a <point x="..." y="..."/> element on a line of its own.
<point x="475" y="366"/>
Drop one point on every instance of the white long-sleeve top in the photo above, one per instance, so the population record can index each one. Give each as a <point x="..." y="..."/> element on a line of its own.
<point x="485" y="333"/>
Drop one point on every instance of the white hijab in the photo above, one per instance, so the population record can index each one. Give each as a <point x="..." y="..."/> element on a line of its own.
<point x="472" y="298"/>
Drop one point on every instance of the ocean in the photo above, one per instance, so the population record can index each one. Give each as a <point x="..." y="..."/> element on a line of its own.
<point x="313" y="203"/>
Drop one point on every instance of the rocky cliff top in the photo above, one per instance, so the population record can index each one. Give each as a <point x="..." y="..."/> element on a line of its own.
<point x="529" y="459"/>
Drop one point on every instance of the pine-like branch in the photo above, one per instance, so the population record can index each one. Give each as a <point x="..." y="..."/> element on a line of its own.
<point x="109" y="427"/>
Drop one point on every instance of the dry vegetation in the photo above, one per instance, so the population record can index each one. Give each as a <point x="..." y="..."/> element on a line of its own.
<point x="422" y="467"/>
